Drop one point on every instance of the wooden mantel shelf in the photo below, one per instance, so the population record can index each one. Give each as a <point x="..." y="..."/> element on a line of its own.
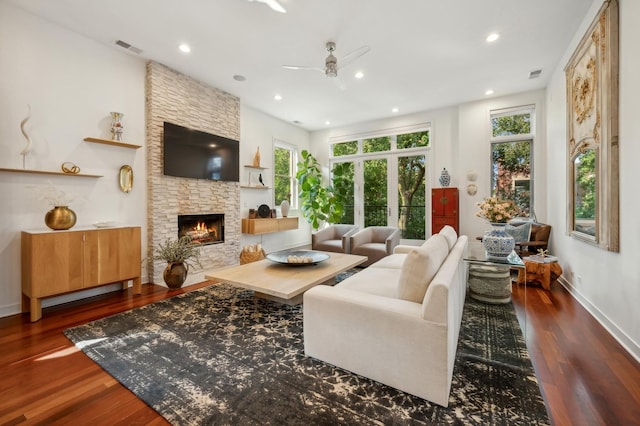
<point x="112" y="142"/>
<point x="48" y="172"/>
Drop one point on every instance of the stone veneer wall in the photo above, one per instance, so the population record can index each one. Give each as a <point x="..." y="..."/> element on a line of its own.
<point x="177" y="98"/>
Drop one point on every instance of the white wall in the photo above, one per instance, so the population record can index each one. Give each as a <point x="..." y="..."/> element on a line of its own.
<point x="258" y="129"/>
<point x="71" y="83"/>
<point x="608" y="284"/>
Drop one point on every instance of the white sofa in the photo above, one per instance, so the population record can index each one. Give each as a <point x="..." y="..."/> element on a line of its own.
<point x="396" y="322"/>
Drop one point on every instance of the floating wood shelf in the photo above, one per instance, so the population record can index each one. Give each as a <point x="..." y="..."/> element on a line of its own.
<point x="254" y="167"/>
<point x="269" y="225"/>
<point x="47" y="172"/>
<point x="254" y="187"/>
<point x="112" y="142"/>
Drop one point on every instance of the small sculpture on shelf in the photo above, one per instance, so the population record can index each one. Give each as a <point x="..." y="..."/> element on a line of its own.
<point x="27" y="148"/>
<point x="116" y="126"/>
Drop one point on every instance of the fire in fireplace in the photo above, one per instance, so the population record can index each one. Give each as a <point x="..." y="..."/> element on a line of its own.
<point x="204" y="229"/>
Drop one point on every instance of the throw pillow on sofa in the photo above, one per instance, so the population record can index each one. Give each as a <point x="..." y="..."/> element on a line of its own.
<point x="420" y="266"/>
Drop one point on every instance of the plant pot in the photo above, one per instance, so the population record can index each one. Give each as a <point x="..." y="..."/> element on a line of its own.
<point x="497" y="242"/>
<point x="175" y="274"/>
<point x="60" y="218"/>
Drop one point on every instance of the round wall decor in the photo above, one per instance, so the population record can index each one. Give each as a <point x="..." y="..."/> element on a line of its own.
<point x="264" y="211"/>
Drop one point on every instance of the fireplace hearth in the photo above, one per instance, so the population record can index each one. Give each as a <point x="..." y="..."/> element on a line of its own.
<point x="203" y="229"/>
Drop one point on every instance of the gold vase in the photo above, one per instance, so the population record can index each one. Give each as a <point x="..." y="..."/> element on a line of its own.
<point x="60" y="218"/>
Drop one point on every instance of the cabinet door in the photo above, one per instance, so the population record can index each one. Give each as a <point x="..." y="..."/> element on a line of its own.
<point x="112" y="255"/>
<point x="53" y="263"/>
<point x="450" y="202"/>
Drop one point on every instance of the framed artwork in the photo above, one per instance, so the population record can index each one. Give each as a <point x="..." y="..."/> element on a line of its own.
<point x="592" y="133"/>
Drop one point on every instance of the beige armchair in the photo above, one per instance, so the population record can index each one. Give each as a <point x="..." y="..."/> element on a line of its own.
<point x="334" y="238"/>
<point x="375" y="242"/>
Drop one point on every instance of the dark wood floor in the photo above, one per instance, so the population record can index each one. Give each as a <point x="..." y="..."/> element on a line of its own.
<point x="585" y="376"/>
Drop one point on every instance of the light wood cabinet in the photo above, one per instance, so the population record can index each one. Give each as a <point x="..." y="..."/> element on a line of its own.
<point x="268" y="225"/>
<point x="59" y="262"/>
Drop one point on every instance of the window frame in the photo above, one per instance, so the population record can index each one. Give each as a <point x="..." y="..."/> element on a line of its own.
<point x="522" y="137"/>
<point x="293" y="182"/>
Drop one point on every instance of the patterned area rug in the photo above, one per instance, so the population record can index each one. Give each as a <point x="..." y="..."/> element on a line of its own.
<point x="219" y="356"/>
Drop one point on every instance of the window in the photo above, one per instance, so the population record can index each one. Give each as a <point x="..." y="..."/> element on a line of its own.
<point x="511" y="157"/>
<point x="285" y="157"/>
<point x="386" y="178"/>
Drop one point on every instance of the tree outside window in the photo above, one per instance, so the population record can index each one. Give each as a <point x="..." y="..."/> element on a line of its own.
<point x="511" y="148"/>
<point x="284" y="181"/>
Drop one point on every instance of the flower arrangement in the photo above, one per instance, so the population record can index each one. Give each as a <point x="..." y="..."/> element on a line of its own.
<point x="495" y="210"/>
<point x="52" y="195"/>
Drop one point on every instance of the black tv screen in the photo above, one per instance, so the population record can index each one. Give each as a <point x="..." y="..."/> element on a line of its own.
<point x="194" y="154"/>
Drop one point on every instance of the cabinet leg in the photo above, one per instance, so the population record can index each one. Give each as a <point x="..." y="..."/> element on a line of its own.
<point x="36" y="309"/>
<point x="137" y="285"/>
<point x="125" y="285"/>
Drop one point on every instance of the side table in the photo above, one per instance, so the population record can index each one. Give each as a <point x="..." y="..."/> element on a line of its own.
<point x="543" y="273"/>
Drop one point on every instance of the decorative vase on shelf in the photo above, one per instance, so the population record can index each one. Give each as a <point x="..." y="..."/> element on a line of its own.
<point x="175" y="274"/>
<point x="445" y="178"/>
<point x="116" y="126"/>
<point x="497" y="242"/>
<point x="284" y="208"/>
<point x="256" y="158"/>
<point x="60" y="218"/>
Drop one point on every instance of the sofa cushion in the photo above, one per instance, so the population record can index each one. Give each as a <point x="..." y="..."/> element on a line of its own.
<point x="378" y="281"/>
<point x="450" y="234"/>
<point x="394" y="261"/>
<point x="419" y="268"/>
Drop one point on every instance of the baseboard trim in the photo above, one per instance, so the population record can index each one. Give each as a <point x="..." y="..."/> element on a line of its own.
<point x="621" y="337"/>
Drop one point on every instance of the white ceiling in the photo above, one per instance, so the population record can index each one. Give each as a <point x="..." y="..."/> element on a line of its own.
<point x="425" y="54"/>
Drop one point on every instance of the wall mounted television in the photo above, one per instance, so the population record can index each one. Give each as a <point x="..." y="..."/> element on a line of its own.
<point x="194" y="154"/>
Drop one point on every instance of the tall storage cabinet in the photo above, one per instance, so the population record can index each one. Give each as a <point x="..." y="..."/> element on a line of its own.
<point x="59" y="262"/>
<point x="444" y="209"/>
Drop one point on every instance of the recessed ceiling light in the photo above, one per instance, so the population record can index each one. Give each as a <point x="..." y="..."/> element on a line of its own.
<point x="239" y="77"/>
<point x="184" y="48"/>
<point x="327" y="122"/>
<point x="359" y="75"/>
<point x="493" y="37"/>
<point x="277" y="97"/>
<point x="394" y="109"/>
<point x="212" y="145"/>
<point x="489" y="92"/>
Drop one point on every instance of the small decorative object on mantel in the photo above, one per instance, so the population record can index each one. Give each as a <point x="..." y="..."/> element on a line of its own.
<point x="497" y="242"/>
<point x="445" y="178"/>
<point x="256" y="158"/>
<point x="70" y="168"/>
<point x="116" y="126"/>
<point x="27" y="149"/>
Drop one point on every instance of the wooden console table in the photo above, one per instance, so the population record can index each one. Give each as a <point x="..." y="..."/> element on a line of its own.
<point x="60" y="262"/>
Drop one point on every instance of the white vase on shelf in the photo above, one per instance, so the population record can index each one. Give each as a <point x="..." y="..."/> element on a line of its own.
<point x="284" y="208"/>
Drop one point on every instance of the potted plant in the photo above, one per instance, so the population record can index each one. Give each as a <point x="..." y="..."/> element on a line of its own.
<point x="319" y="203"/>
<point x="176" y="253"/>
<point x="497" y="242"/>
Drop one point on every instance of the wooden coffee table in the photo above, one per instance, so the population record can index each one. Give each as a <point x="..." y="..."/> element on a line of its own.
<point x="284" y="283"/>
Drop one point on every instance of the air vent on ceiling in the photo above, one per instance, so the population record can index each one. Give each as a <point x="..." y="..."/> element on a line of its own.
<point x="535" y="74"/>
<point x="128" y="46"/>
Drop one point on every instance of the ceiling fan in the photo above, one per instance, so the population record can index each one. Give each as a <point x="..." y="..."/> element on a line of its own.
<point x="331" y="62"/>
<point x="273" y="4"/>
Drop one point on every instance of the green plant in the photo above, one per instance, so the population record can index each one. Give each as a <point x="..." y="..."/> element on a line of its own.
<point x="320" y="203"/>
<point x="177" y="251"/>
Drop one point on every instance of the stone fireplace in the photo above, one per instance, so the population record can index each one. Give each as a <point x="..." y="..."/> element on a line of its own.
<point x="203" y="229"/>
<point x="180" y="99"/>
